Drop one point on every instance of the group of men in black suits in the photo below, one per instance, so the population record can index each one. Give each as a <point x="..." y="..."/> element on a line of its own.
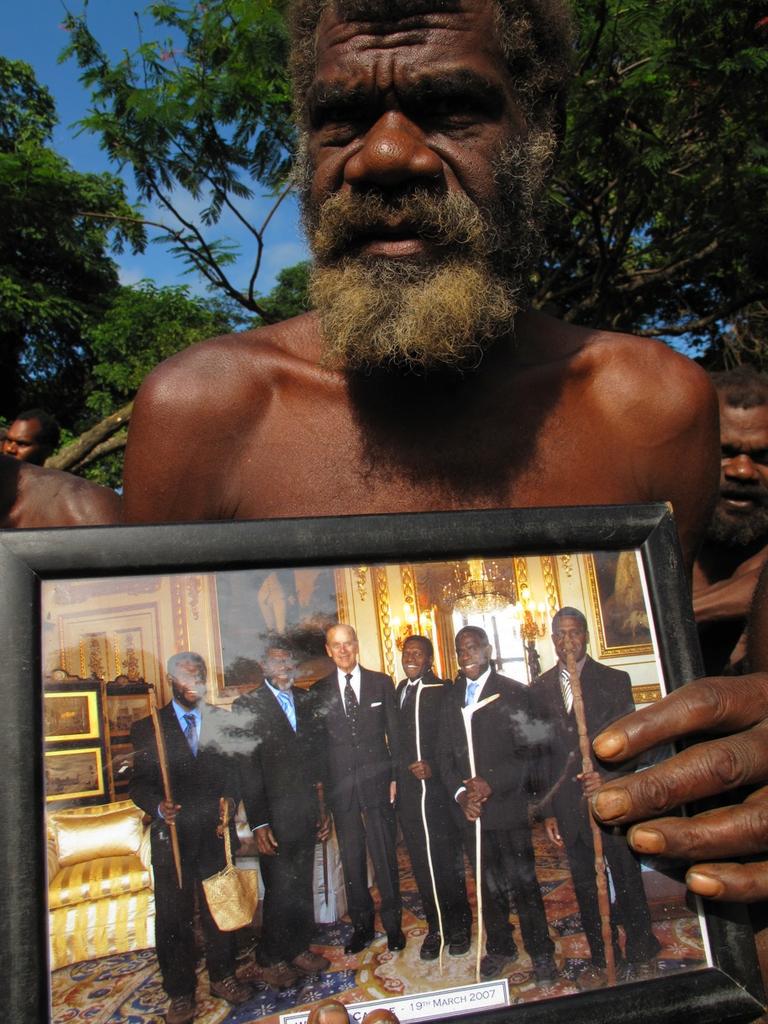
<point x="460" y="764"/>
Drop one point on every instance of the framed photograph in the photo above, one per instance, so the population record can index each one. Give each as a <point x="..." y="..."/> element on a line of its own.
<point x="71" y="714"/>
<point x="73" y="773"/>
<point x="505" y="573"/>
<point x="124" y="709"/>
<point x="616" y="595"/>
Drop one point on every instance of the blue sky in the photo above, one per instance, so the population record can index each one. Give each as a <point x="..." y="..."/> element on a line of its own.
<point x="32" y="32"/>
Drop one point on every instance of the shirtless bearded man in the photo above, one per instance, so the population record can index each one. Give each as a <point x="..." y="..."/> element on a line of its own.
<point x="428" y="128"/>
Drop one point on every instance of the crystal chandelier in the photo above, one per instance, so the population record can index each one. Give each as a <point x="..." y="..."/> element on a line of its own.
<point x="479" y="585"/>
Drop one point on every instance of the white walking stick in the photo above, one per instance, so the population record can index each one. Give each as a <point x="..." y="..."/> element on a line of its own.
<point x="426" y="686"/>
<point x="467" y="713"/>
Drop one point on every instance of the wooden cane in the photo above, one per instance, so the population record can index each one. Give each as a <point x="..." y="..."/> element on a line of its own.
<point x="587" y="765"/>
<point x="436" y="898"/>
<point x="162" y="758"/>
<point x="467" y="713"/>
<point x="323" y="814"/>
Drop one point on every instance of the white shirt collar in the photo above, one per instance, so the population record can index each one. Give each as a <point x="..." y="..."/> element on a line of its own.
<point x="481" y="681"/>
<point x="354" y="682"/>
<point x="276" y="690"/>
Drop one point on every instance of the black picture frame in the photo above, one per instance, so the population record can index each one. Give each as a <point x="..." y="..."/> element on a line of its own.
<point x="729" y="991"/>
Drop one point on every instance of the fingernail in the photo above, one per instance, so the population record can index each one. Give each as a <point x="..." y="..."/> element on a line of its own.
<point x="646" y="840"/>
<point x="704" y="885"/>
<point x="611" y="803"/>
<point x="610" y="744"/>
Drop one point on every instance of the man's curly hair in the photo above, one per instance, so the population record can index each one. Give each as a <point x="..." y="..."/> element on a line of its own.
<point x="537" y="39"/>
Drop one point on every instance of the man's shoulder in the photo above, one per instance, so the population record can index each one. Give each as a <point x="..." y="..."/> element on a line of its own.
<point x="645" y="371"/>
<point x="545" y="680"/>
<point x="35" y="496"/>
<point x="373" y="676"/>
<point x="506" y="684"/>
<point x="233" y="360"/>
<point x="598" y="669"/>
<point x="142" y="730"/>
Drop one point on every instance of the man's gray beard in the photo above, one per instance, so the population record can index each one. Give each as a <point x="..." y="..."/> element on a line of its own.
<point x="738" y="532"/>
<point x="443" y="312"/>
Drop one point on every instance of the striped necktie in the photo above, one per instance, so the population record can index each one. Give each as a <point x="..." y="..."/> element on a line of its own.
<point x="190" y="731"/>
<point x="565" y="686"/>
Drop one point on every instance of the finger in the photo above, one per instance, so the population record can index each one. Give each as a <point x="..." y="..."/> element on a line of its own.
<point x="721" y="833"/>
<point x="703" y="770"/>
<point x="742" y="883"/>
<point x="720" y="704"/>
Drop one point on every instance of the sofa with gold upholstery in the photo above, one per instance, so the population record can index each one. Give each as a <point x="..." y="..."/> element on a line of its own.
<point x="100" y="896"/>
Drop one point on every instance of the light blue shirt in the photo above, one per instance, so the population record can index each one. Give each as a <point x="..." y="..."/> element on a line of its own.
<point x="181" y="711"/>
<point x="283" y="698"/>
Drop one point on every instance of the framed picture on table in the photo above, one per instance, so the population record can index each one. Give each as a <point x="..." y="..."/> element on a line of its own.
<point x="506" y="572"/>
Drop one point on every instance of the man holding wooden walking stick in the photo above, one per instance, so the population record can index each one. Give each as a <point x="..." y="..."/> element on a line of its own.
<point x="576" y="699"/>
<point x="181" y="770"/>
<point x="485" y="766"/>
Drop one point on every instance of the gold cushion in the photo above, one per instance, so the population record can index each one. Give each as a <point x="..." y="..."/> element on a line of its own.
<point x="84" y="837"/>
<point x="94" y="879"/>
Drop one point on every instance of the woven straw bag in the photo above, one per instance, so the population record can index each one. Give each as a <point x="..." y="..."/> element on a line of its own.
<point x="232" y="894"/>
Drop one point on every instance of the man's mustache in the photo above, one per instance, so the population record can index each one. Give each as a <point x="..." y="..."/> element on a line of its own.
<point x="450" y="222"/>
<point x="746" y="492"/>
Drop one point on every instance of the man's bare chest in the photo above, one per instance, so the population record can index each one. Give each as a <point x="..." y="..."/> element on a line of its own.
<point x="336" y="465"/>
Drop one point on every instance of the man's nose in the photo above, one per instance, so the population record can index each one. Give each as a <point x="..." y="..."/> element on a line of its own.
<point x="740" y="467"/>
<point x="393" y="153"/>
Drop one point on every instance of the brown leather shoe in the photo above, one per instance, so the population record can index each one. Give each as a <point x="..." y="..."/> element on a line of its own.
<point x="232" y="990"/>
<point x="181" y="1010"/>
<point x="592" y="976"/>
<point x="310" y="963"/>
<point x="280" y="975"/>
<point x="251" y="970"/>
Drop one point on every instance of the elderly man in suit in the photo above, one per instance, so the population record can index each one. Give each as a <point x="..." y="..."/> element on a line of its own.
<point x="357" y="716"/>
<point x="497" y="794"/>
<point x="200" y="772"/>
<point x="423" y="805"/>
<point x="565" y="789"/>
<point x="279" y="773"/>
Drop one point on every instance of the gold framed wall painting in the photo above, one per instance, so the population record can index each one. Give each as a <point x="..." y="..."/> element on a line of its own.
<point x="616" y="596"/>
<point x="73" y="774"/>
<point x="717" y="981"/>
<point x="71" y="714"/>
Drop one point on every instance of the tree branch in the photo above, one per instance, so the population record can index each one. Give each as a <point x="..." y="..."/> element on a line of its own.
<point x="75" y="452"/>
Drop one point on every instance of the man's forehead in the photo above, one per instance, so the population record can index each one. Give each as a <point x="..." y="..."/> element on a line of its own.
<point x="749" y="426"/>
<point x="448" y="32"/>
<point x="27" y="429"/>
<point x="568" y="622"/>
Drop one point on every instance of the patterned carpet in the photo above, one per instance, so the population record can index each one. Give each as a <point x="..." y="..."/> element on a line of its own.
<point x="126" y="989"/>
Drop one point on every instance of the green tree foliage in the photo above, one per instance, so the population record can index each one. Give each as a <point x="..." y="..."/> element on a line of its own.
<point x="143" y="325"/>
<point x="660" y="193"/>
<point x="55" y="271"/>
<point x="661" y="188"/>
<point x="201" y="109"/>
<point x="289" y="297"/>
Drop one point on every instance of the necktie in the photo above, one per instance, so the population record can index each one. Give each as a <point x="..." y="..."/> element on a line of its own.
<point x="408" y="694"/>
<point x="287" y="705"/>
<point x="471" y="691"/>
<point x="351" y="706"/>
<point x="190" y="732"/>
<point x="565" y="686"/>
